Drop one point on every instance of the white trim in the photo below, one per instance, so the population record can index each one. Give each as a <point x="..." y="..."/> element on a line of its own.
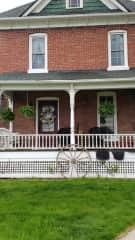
<point x="118" y="5"/>
<point x="121" y="67"/>
<point x="45" y="69"/>
<point x="64" y="85"/>
<point x="113" y="4"/>
<point x="109" y="4"/>
<point x="32" y="8"/>
<point x="46" y="99"/>
<point x="37" y="7"/>
<point x="108" y="93"/>
<point x="68" y="7"/>
<point x="74" y="20"/>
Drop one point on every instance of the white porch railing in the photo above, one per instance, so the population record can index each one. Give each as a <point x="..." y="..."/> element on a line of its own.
<point x="58" y="141"/>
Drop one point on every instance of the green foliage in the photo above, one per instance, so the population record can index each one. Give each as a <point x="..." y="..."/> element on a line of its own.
<point x="7" y="114"/>
<point x="27" y="111"/>
<point x="78" y="209"/>
<point x="106" y="108"/>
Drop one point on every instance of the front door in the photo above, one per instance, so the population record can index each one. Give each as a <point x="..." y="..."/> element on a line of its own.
<point x="47" y="116"/>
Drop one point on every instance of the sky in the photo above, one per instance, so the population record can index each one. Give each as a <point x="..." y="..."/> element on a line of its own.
<point x="9" y="4"/>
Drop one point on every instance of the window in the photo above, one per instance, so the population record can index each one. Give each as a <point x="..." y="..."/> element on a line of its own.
<point x="38" y="53"/>
<point x="107" y="120"/>
<point x="74" y="4"/>
<point x="117" y="50"/>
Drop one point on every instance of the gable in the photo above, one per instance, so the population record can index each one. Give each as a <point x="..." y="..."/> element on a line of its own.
<point x="55" y="7"/>
<point x="58" y="7"/>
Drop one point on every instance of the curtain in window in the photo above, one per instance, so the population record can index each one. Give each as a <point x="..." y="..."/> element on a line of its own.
<point x="38" y="52"/>
<point x="74" y="3"/>
<point x="117" y="50"/>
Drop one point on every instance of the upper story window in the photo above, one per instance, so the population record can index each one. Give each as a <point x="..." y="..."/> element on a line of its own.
<point x="38" y="53"/>
<point x="117" y="50"/>
<point x="74" y="3"/>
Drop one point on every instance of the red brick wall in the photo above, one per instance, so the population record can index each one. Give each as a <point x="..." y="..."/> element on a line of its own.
<point x="25" y="125"/>
<point x="79" y="48"/>
<point x="126" y="111"/>
<point x="86" y="110"/>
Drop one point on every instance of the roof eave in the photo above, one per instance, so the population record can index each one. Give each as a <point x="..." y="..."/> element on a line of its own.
<point x="67" y="20"/>
<point x="82" y="84"/>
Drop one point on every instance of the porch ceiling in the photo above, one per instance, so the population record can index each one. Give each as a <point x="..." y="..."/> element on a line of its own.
<point x="99" y="79"/>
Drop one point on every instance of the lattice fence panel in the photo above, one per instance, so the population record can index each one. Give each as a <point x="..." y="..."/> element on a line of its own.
<point x="54" y="169"/>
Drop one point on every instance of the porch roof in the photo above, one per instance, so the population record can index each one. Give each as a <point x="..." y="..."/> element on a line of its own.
<point x="68" y="75"/>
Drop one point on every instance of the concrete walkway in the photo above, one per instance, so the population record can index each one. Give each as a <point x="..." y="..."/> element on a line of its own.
<point x="129" y="236"/>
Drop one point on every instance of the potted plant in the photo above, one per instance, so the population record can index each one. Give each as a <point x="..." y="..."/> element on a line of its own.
<point x="27" y="111"/>
<point x="104" y="110"/>
<point x="7" y="114"/>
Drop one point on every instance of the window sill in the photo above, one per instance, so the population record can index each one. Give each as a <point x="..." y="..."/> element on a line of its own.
<point x="37" y="71"/>
<point x="117" y="68"/>
<point x="73" y="7"/>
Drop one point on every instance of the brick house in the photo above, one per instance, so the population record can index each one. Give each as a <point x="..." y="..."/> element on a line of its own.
<point x="66" y="58"/>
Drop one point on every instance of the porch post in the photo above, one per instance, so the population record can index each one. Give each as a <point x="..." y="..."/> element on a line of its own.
<point x="10" y="104"/>
<point x="72" y="93"/>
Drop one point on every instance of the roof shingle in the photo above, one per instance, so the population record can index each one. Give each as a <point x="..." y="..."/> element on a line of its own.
<point x="16" y="12"/>
<point x="70" y="75"/>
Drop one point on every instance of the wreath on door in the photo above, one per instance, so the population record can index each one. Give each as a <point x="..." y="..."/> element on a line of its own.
<point x="47" y="116"/>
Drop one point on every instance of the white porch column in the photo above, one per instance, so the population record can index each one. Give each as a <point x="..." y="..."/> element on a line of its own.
<point x="10" y="105"/>
<point x="72" y="93"/>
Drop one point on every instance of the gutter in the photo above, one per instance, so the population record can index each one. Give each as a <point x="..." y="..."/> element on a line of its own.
<point x="65" y="85"/>
<point x="67" y="20"/>
<point x="69" y="81"/>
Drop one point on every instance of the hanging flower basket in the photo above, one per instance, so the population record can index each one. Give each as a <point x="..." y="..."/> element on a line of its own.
<point x="27" y="111"/>
<point x="106" y="109"/>
<point x="7" y="114"/>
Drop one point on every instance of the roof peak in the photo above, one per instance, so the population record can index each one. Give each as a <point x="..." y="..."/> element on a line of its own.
<point x="37" y="6"/>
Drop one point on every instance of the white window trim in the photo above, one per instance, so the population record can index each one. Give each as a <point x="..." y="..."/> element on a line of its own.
<point x="42" y="70"/>
<point x="68" y="7"/>
<point x="121" y="67"/>
<point x="37" y="108"/>
<point x="109" y="93"/>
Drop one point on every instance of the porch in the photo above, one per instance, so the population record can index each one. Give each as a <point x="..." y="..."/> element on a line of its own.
<point x="33" y="145"/>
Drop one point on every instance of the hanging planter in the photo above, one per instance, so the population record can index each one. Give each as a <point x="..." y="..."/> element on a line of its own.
<point x="27" y="111"/>
<point x="104" y="110"/>
<point x="7" y="114"/>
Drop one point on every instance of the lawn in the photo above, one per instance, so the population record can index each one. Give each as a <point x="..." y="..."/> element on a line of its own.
<point x="79" y="209"/>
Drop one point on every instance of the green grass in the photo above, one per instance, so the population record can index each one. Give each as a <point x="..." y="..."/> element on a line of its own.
<point x="79" y="209"/>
